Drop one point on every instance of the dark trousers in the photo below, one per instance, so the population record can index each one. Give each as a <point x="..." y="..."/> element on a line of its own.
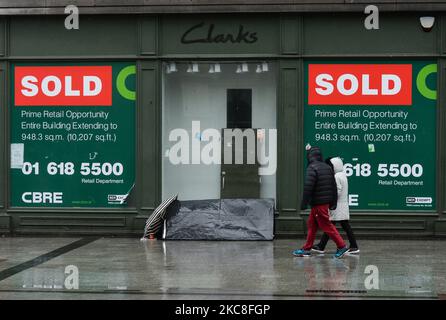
<point x="345" y="224"/>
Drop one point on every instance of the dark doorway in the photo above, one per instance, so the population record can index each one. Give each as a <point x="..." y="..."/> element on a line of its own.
<point x="240" y="180"/>
<point x="239" y="108"/>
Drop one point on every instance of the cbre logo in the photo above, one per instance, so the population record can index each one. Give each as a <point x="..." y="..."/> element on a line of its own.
<point x="63" y="86"/>
<point x="360" y="84"/>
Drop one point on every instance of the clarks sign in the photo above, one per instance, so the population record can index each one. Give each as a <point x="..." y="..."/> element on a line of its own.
<point x="202" y="33"/>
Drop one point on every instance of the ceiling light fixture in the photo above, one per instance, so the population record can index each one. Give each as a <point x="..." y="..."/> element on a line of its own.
<point x="193" y="67"/>
<point x="173" y="67"/>
<point x="259" y="69"/>
<point x="245" y="67"/>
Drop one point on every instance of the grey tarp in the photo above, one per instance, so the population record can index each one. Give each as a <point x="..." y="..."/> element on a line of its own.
<point x="221" y="219"/>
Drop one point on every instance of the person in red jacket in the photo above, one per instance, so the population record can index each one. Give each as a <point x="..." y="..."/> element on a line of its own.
<point x="320" y="192"/>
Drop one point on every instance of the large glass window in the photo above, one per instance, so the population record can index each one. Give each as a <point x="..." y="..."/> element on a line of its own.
<point x="214" y="104"/>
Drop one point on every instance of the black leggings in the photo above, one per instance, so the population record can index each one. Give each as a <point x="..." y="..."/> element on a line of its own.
<point x="345" y="224"/>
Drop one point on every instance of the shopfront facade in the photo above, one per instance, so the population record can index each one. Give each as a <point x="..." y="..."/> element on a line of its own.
<point x="102" y="123"/>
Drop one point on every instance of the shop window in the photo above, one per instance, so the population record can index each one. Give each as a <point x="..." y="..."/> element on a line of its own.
<point x="219" y="130"/>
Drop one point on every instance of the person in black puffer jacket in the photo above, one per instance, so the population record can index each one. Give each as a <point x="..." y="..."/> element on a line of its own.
<point x="320" y="192"/>
<point x="320" y="184"/>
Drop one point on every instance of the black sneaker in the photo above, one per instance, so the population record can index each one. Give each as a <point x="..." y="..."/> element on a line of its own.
<point x="317" y="249"/>
<point x="353" y="251"/>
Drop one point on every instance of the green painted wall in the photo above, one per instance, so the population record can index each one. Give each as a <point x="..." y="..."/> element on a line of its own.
<point x="2" y="141"/>
<point x="345" y="34"/>
<point x="148" y="40"/>
<point x="97" y="36"/>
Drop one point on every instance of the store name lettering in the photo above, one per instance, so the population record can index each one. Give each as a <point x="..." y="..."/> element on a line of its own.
<point x="201" y="33"/>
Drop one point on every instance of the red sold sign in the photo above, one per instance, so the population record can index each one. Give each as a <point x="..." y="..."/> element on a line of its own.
<point x="360" y="84"/>
<point x="63" y="86"/>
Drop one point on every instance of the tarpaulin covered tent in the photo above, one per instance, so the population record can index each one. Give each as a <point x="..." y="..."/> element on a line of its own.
<point x="215" y="219"/>
<point x="221" y="219"/>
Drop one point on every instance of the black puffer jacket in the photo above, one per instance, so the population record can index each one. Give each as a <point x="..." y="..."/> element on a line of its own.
<point x="320" y="184"/>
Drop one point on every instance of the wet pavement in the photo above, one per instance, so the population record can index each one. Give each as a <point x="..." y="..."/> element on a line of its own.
<point x="126" y="268"/>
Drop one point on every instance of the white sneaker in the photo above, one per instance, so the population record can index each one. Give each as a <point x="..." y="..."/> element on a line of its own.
<point x="317" y="249"/>
<point x="353" y="251"/>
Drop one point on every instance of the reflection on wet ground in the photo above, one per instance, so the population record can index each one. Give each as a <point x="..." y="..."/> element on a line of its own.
<point x="124" y="268"/>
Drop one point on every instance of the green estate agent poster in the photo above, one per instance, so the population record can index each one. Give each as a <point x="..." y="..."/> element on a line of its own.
<point x="72" y="134"/>
<point x="380" y="118"/>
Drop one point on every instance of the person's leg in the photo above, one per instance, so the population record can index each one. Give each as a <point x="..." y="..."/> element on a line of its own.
<point x="323" y="242"/>
<point x="312" y="229"/>
<point x="323" y="220"/>
<point x="324" y="239"/>
<point x="349" y="231"/>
